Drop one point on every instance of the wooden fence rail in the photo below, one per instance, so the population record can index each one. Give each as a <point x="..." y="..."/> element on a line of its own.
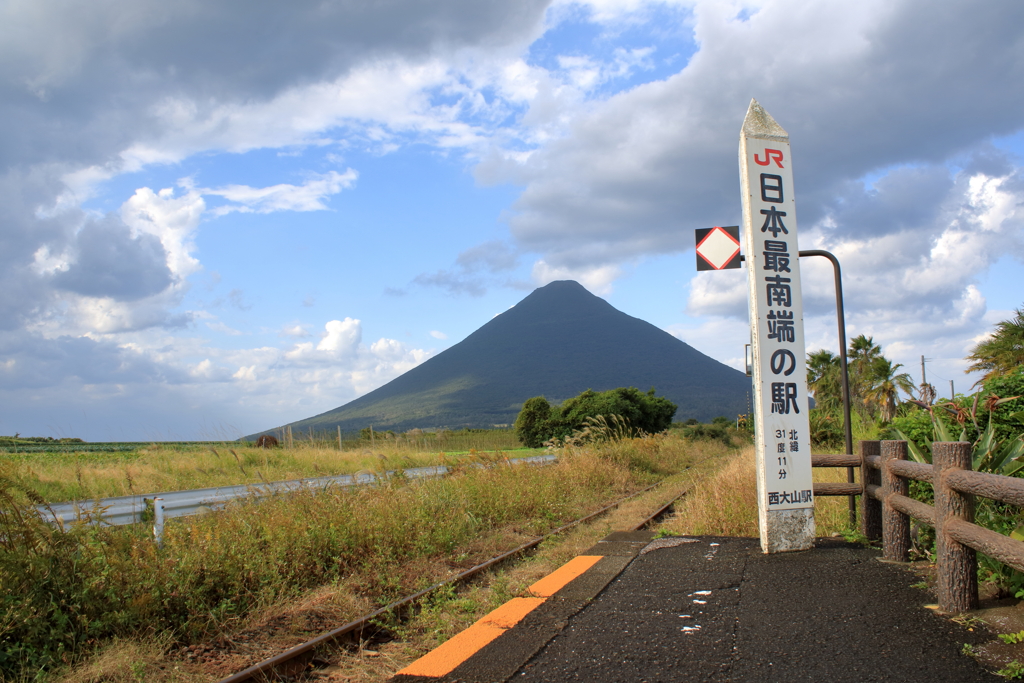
<point x="886" y="510"/>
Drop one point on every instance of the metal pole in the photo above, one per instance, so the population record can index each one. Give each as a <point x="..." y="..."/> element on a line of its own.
<point x="841" y="316"/>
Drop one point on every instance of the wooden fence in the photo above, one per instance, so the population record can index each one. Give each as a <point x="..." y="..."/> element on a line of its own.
<point x="886" y="510"/>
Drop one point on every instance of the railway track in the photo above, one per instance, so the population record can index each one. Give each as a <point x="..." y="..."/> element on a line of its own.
<point x="297" y="658"/>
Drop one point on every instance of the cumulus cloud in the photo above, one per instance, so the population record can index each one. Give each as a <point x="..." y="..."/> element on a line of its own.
<point x="107" y="261"/>
<point x="859" y="89"/>
<point x="249" y="388"/>
<point x="911" y="283"/>
<point x="598" y="279"/>
<point x="67" y="64"/>
<point x="891" y="125"/>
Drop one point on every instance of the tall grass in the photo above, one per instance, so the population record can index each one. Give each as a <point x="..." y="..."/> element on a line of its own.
<point x="63" y="593"/>
<point x="724" y="503"/>
<point x="418" y="441"/>
<point x="83" y="476"/>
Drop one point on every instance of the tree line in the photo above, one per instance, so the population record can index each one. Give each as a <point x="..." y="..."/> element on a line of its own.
<point x="876" y="382"/>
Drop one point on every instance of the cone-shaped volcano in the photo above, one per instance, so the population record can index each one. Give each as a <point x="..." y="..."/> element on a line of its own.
<point x="557" y="342"/>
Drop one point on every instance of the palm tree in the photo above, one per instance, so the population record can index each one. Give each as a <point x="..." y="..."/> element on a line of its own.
<point x="885" y="385"/>
<point x="1003" y="351"/>
<point x="824" y="379"/>
<point x="862" y="355"/>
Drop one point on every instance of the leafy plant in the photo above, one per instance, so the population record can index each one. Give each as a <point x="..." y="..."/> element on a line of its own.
<point x="967" y="621"/>
<point x="989" y="453"/>
<point x="1012" y="638"/>
<point x="826" y="429"/>
<point x="1013" y="670"/>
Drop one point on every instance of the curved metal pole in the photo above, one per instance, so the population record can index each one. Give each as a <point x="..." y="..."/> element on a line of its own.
<point x="841" y="316"/>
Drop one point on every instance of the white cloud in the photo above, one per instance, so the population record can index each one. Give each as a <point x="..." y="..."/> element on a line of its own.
<point x="438" y="335"/>
<point x="309" y="196"/>
<point x="172" y="219"/>
<point x="342" y="336"/>
<point x="249" y="389"/>
<point x="598" y="279"/>
<point x="879" y="103"/>
<point x="218" y="326"/>
<point x="718" y="337"/>
<point x="246" y="374"/>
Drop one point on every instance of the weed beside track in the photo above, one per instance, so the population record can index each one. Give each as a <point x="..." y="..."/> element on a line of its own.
<point x="66" y="594"/>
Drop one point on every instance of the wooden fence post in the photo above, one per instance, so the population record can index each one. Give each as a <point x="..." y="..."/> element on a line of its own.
<point x="288" y="436"/>
<point x="956" y="564"/>
<point x="895" y="524"/>
<point x="871" y="514"/>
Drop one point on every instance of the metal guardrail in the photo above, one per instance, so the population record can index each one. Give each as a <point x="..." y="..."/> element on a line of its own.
<point x="130" y="509"/>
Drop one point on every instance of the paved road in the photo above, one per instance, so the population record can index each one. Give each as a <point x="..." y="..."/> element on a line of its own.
<point x="717" y="609"/>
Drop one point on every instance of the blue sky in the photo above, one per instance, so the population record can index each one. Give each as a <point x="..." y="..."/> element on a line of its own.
<point x="209" y="228"/>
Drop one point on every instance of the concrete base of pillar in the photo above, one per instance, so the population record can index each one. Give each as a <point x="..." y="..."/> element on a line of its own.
<point x="787" y="530"/>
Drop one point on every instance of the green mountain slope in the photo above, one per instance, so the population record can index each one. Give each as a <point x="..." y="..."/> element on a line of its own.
<point x="558" y="341"/>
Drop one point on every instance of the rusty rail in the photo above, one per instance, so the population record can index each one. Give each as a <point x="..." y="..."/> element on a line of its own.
<point x="262" y="670"/>
<point x="887" y="511"/>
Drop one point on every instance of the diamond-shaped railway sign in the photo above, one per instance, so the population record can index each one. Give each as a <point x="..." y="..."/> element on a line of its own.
<point x="718" y="248"/>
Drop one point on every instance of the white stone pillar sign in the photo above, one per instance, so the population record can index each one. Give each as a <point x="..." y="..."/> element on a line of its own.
<point x="785" y="500"/>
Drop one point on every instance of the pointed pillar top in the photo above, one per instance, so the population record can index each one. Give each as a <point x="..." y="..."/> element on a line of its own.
<point x="759" y="124"/>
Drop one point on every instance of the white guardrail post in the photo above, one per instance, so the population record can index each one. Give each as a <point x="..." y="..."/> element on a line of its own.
<point x="158" y="521"/>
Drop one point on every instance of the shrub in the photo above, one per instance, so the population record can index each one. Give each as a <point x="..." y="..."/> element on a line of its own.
<point x="533" y="422"/>
<point x="643" y="412"/>
<point x="709" y="432"/>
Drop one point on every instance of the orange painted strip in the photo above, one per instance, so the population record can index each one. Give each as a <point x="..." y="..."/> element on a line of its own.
<point x="512" y="612"/>
<point x="442" y="660"/>
<point x="557" y="579"/>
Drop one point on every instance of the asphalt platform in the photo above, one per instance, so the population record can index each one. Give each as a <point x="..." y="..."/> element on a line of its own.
<point x="635" y="609"/>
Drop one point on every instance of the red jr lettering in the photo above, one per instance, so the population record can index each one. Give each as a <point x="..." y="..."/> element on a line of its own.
<point x="770" y="155"/>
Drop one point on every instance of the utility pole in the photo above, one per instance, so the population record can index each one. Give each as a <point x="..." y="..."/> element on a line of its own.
<point x="924" y="380"/>
<point x="952" y="394"/>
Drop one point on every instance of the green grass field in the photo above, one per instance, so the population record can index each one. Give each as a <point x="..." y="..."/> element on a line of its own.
<point x="79" y="474"/>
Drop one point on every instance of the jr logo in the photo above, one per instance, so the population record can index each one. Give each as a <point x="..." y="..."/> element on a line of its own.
<point x="770" y="155"/>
